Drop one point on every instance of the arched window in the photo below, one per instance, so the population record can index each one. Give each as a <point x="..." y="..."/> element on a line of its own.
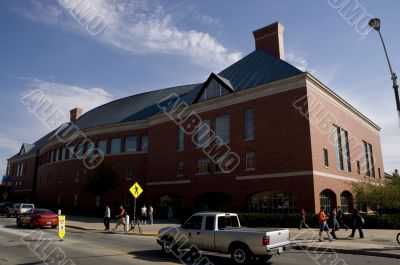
<point x="273" y="202"/>
<point x="327" y="199"/>
<point x="165" y="201"/>
<point x="346" y="201"/>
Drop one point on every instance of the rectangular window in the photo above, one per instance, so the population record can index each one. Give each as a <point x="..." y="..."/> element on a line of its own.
<point x="203" y="133"/>
<point x="217" y="165"/>
<point x="369" y="160"/>
<point x="102" y="146"/>
<point x="249" y="124"/>
<point x="63" y="153"/>
<point x="60" y="154"/>
<point x="346" y="151"/>
<point x="203" y="166"/>
<point x="326" y="159"/>
<point x="338" y="148"/>
<point x="79" y="151"/>
<point x="77" y="176"/>
<point x="144" y="143"/>
<point x="115" y="146"/>
<point x="250" y="161"/>
<point x="129" y="174"/>
<point x="358" y="168"/>
<point x="53" y="155"/>
<point x="222" y="130"/>
<point x="342" y="149"/>
<point x="89" y="148"/>
<point x="181" y="139"/>
<point x="67" y="153"/>
<point x="210" y="223"/>
<point x="130" y="144"/>
<point x="179" y="168"/>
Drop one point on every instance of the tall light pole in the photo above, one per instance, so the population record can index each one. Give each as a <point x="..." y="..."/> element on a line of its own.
<point x="375" y="23"/>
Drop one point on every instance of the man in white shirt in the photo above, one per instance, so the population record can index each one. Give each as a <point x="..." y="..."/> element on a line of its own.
<point x="144" y="214"/>
<point x="107" y="216"/>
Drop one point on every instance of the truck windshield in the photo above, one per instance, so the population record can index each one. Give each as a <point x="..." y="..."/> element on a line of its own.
<point x="228" y="222"/>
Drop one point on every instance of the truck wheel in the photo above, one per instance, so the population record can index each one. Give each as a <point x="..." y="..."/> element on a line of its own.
<point x="240" y="254"/>
<point x="167" y="245"/>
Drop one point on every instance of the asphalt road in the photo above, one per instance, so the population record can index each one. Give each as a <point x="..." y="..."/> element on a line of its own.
<point x="41" y="246"/>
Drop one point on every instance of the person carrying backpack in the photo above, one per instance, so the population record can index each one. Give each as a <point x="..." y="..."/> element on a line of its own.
<point x="358" y="223"/>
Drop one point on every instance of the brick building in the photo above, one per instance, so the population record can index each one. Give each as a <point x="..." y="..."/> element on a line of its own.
<point x="293" y="143"/>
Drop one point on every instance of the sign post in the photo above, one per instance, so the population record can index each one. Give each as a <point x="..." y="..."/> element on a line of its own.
<point x="61" y="226"/>
<point x="136" y="190"/>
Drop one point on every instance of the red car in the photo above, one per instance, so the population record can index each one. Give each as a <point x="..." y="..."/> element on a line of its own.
<point x="38" y="218"/>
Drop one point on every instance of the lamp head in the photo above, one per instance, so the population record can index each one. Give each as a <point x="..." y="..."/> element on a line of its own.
<point x="375" y="23"/>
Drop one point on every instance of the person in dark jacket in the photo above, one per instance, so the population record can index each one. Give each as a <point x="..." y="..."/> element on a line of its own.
<point x="357" y="222"/>
<point x="339" y="218"/>
<point x="333" y="222"/>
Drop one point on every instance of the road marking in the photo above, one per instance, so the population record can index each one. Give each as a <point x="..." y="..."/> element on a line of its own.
<point x="19" y="233"/>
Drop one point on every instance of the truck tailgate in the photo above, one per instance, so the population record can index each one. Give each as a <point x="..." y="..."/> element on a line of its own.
<point x="278" y="238"/>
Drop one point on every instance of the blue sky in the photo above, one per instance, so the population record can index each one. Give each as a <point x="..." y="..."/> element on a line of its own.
<point x="147" y="45"/>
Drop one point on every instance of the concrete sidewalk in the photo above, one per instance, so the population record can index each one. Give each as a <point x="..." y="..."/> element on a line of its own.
<point x="376" y="242"/>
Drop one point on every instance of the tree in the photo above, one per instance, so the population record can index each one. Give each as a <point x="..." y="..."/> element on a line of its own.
<point x="100" y="179"/>
<point x="377" y="196"/>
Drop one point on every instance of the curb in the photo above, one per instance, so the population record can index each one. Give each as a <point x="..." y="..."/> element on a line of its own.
<point x="348" y="251"/>
<point x="92" y="229"/>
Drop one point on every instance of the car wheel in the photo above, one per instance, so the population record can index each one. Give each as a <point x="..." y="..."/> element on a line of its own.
<point x="241" y="254"/>
<point x="31" y="225"/>
<point x="19" y="223"/>
<point x="169" y="246"/>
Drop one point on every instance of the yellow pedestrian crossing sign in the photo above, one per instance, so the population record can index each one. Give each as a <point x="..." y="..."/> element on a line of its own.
<point x="61" y="226"/>
<point x="136" y="190"/>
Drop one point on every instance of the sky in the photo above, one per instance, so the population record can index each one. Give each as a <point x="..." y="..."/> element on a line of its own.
<point x="124" y="47"/>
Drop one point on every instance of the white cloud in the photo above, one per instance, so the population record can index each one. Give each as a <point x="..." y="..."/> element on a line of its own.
<point x="8" y="142"/>
<point x="66" y="97"/>
<point x="141" y="27"/>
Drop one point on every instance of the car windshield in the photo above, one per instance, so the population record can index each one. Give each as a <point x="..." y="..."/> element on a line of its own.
<point x="42" y="211"/>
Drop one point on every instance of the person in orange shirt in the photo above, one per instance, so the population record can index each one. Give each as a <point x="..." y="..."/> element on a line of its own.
<point x="323" y="226"/>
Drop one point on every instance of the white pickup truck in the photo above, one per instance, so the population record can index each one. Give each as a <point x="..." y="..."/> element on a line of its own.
<point x="221" y="232"/>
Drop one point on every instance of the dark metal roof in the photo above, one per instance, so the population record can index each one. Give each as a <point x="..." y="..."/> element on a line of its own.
<point x="257" y="68"/>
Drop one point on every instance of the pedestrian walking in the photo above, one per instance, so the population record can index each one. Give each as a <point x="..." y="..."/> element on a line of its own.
<point x="170" y="214"/>
<point x="151" y="212"/>
<point x="120" y="217"/>
<point x="357" y="222"/>
<point x="302" y="216"/>
<point x="339" y="218"/>
<point x="323" y="226"/>
<point x="144" y="214"/>
<point x="107" y="215"/>
<point x="333" y="222"/>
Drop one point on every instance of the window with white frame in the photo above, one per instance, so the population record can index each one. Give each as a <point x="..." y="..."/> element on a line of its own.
<point x="129" y="173"/>
<point x="179" y="168"/>
<point x="203" y="133"/>
<point x="250" y="161"/>
<point x="203" y="166"/>
<point x="181" y="139"/>
<point x="369" y="160"/>
<point x="222" y="129"/>
<point x="115" y="146"/>
<point x="102" y="146"/>
<point x="130" y="144"/>
<point x="144" y="143"/>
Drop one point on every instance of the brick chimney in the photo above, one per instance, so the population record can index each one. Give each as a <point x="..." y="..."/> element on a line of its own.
<point x="270" y="38"/>
<point x="75" y="114"/>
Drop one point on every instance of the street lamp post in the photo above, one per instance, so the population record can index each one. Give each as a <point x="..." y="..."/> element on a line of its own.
<point x="375" y="23"/>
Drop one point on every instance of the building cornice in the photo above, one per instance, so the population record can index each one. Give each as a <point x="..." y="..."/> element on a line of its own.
<point x="21" y="158"/>
<point x="313" y="82"/>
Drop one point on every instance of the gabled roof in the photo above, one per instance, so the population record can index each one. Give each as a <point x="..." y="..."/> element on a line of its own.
<point x="225" y="83"/>
<point x="25" y="148"/>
